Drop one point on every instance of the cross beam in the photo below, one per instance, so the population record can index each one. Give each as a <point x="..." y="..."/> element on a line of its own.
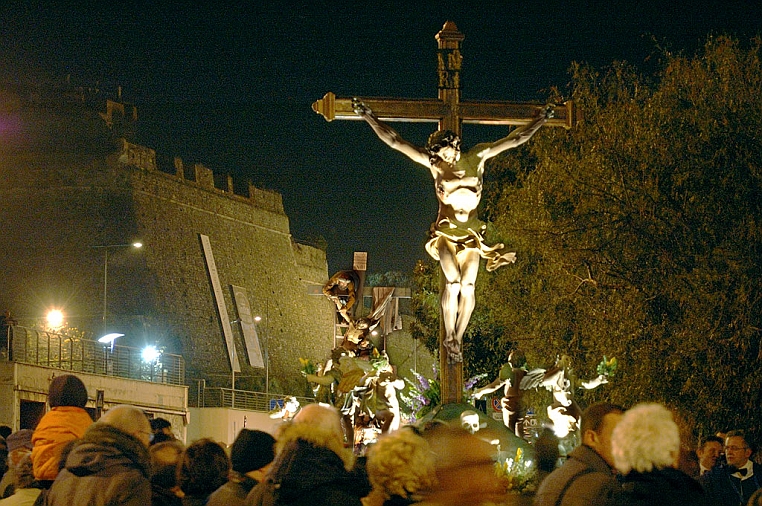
<point x="450" y="113"/>
<point x="436" y="111"/>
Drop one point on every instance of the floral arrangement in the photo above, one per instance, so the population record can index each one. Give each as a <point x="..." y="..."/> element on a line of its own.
<point x="308" y="366"/>
<point x="520" y="475"/>
<point x="422" y="396"/>
<point x="607" y="367"/>
<point x="425" y="394"/>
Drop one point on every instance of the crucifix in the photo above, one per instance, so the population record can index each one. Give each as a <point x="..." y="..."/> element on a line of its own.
<point x="457" y="236"/>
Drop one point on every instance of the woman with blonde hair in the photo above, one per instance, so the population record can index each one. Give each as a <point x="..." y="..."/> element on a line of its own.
<point x="400" y="466"/>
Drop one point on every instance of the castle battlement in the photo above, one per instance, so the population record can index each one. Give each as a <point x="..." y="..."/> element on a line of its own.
<point x="144" y="158"/>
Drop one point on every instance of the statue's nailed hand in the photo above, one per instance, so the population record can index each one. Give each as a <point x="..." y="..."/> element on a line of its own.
<point x="549" y="111"/>
<point x="359" y="107"/>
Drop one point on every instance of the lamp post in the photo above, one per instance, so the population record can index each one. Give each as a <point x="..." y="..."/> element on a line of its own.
<point x="106" y="248"/>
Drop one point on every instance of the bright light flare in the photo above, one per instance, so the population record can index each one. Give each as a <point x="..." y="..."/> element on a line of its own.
<point x="55" y="319"/>
<point x="150" y="354"/>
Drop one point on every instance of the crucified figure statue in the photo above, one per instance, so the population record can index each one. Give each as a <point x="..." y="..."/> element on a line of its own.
<point x="457" y="237"/>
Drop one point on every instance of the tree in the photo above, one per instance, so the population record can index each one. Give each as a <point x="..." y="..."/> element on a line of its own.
<point x="639" y="235"/>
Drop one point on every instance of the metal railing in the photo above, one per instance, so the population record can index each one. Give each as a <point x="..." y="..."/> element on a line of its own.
<point x="38" y="347"/>
<point x="214" y="397"/>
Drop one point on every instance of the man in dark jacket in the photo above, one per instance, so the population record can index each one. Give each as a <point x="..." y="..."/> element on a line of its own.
<point x="587" y="477"/>
<point x="109" y="465"/>
<point x="733" y="484"/>
<point x="311" y="466"/>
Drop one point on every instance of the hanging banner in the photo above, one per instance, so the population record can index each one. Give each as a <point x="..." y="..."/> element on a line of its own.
<point x="222" y="311"/>
<point x="248" y="327"/>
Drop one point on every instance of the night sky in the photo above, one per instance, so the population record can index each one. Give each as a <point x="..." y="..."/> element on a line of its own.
<point x="230" y="85"/>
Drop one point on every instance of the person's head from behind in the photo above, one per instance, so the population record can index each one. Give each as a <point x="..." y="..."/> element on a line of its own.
<point x="252" y="453"/>
<point x="400" y="464"/>
<point x="162" y="430"/>
<point x="203" y="468"/>
<point x="709" y="451"/>
<point x="164" y="459"/>
<point x="598" y="422"/>
<point x="465" y="467"/>
<point x="646" y="439"/>
<point x="23" y="477"/>
<point x="5" y="431"/>
<point x="67" y="390"/>
<point x="324" y="418"/>
<point x="738" y="451"/>
<point x="130" y="420"/>
<point x="20" y="448"/>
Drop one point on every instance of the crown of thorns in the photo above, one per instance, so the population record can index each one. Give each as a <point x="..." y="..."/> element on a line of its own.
<point x="442" y="139"/>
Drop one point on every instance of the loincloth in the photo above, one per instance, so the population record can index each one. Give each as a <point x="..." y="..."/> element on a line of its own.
<point x="464" y="236"/>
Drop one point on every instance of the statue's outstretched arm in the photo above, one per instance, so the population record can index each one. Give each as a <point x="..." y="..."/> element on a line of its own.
<point x="520" y="135"/>
<point x="320" y="380"/>
<point x="388" y="135"/>
<point x="488" y="389"/>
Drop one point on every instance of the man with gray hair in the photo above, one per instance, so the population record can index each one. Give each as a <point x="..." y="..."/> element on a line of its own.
<point x="109" y="465"/>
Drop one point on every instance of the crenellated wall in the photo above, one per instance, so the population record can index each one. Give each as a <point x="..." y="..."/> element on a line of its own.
<point x="61" y="195"/>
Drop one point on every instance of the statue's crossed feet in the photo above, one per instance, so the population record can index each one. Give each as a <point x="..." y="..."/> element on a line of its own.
<point x="454" y="355"/>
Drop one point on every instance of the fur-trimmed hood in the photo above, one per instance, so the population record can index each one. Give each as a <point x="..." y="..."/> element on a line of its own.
<point x="310" y="463"/>
<point x="316" y="437"/>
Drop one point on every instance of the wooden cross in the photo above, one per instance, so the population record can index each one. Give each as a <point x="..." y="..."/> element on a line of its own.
<point x="450" y="113"/>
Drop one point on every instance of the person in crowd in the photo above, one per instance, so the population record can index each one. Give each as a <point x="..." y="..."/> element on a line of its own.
<point x="251" y="455"/>
<point x="645" y="446"/>
<point x="165" y="457"/>
<point x="547" y="453"/>
<point x="23" y="492"/>
<point x="162" y="430"/>
<point x="109" y="465"/>
<point x="736" y="482"/>
<point x="709" y="453"/>
<point x="204" y="467"/>
<point x="586" y="478"/>
<point x="19" y="445"/>
<point x="465" y="468"/>
<point x="67" y="420"/>
<point x="400" y="467"/>
<point x="312" y="466"/>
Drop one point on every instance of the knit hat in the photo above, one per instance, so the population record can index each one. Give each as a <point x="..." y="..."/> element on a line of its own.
<point x="251" y="450"/>
<point x="67" y="390"/>
<point x="20" y="439"/>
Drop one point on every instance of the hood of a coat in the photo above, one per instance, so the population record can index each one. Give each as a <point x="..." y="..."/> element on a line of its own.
<point x="103" y="448"/>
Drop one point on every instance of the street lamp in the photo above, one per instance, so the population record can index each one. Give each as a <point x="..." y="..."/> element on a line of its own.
<point x="110" y="338"/>
<point x="106" y="248"/>
<point x="55" y="319"/>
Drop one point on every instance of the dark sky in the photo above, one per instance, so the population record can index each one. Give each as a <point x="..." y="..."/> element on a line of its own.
<point x="230" y="85"/>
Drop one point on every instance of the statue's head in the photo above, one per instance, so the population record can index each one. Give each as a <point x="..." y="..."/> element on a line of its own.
<point x="517" y="358"/>
<point x="442" y="139"/>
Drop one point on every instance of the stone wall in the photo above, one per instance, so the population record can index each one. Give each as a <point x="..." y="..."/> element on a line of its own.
<point x="58" y="200"/>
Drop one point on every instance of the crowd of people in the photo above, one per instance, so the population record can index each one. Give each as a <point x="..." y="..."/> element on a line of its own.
<point x="626" y="457"/>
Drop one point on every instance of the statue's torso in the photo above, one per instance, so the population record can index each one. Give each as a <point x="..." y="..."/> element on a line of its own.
<point x="459" y="187"/>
